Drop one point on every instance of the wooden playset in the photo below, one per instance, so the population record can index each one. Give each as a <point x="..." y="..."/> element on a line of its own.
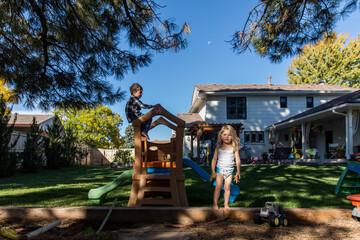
<point x="158" y="178"/>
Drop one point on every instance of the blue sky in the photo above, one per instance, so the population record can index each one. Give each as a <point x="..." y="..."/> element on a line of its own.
<point x="170" y="78"/>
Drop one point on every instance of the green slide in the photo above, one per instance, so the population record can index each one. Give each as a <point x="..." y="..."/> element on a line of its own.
<point x="97" y="195"/>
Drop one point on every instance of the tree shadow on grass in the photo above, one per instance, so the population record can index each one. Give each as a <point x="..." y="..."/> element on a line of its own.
<point x="291" y="185"/>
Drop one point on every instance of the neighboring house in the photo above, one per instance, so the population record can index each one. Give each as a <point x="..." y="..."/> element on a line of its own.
<point x="23" y="123"/>
<point x="331" y="125"/>
<point x="254" y="106"/>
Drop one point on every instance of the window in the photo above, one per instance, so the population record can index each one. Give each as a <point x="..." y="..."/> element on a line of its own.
<point x="254" y="136"/>
<point x="283" y="102"/>
<point x="236" y="107"/>
<point x="309" y="102"/>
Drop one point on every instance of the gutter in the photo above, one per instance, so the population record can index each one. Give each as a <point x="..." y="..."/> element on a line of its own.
<point x="198" y="98"/>
<point x="338" y="112"/>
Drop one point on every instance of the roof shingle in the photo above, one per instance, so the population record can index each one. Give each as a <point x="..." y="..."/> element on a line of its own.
<point x="266" y="87"/>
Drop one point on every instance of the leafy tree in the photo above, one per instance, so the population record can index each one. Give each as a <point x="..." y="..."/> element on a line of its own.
<point x="7" y="93"/>
<point x="129" y="137"/>
<point x="62" y="51"/>
<point x="8" y="158"/>
<point x="54" y="150"/>
<point x="73" y="152"/>
<point x="33" y="155"/>
<point x="328" y="61"/>
<point x="279" y="28"/>
<point x="97" y="127"/>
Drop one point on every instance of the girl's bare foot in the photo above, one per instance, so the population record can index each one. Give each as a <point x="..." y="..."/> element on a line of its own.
<point x="227" y="208"/>
<point x="215" y="207"/>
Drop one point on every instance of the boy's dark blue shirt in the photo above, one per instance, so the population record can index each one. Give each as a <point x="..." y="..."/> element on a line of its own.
<point x="133" y="107"/>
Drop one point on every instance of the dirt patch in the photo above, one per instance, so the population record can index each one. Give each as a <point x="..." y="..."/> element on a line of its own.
<point x="339" y="228"/>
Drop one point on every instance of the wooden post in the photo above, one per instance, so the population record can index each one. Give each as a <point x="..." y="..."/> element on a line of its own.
<point x="198" y="136"/>
<point x="137" y="142"/>
<point x="192" y="143"/>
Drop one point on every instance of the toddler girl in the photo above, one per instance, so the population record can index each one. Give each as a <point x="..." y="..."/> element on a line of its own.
<point x="226" y="153"/>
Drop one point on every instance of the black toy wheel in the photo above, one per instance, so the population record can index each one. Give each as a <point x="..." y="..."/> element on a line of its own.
<point x="257" y="218"/>
<point x="284" y="222"/>
<point x="356" y="218"/>
<point x="274" y="221"/>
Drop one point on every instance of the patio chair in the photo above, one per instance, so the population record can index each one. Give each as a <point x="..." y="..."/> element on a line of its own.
<point x="332" y="150"/>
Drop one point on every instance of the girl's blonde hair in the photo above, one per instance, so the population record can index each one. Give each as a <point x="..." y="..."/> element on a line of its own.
<point x="235" y="139"/>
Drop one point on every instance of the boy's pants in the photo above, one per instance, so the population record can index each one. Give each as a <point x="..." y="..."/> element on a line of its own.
<point x="145" y="127"/>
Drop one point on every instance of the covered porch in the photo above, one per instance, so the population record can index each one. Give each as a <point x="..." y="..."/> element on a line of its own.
<point x="329" y="131"/>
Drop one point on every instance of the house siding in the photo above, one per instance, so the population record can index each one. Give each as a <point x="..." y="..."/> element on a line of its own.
<point x="202" y="112"/>
<point x="262" y="111"/>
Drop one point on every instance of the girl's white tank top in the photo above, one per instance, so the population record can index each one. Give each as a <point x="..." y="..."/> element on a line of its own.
<point x="226" y="159"/>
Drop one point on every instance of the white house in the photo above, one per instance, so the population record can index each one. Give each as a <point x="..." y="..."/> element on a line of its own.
<point x="256" y="107"/>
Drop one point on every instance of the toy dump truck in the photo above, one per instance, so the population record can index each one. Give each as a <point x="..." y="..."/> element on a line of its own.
<point x="273" y="214"/>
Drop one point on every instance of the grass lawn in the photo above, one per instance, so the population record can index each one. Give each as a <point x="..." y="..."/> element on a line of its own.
<point x="293" y="186"/>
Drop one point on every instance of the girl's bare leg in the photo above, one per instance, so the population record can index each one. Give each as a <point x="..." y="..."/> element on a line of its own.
<point x="227" y="192"/>
<point x="219" y="183"/>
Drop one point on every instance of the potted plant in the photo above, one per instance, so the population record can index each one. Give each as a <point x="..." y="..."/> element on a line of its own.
<point x="340" y="151"/>
<point x="191" y="155"/>
<point x="265" y="156"/>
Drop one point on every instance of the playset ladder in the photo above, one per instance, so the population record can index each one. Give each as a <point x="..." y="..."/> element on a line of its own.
<point x="155" y="190"/>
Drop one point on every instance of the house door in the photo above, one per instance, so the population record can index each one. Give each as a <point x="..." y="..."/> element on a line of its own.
<point x="328" y="139"/>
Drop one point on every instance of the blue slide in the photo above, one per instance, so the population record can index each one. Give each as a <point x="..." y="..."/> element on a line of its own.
<point x="234" y="189"/>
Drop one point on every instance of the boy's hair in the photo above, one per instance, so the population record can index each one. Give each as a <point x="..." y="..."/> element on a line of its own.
<point x="235" y="139"/>
<point x="135" y="87"/>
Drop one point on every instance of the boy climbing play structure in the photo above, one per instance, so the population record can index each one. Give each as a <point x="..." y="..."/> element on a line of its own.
<point x="349" y="181"/>
<point x="158" y="178"/>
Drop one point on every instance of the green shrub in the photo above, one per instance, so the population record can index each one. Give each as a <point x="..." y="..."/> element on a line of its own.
<point x="33" y="155"/>
<point x="55" y="157"/>
<point x="8" y="158"/>
<point x="123" y="156"/>
<point x="73" y="152"/>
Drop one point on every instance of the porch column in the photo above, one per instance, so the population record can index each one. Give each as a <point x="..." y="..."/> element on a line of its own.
<point x="303" y="140"/>
<point x="349" y="134"/>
